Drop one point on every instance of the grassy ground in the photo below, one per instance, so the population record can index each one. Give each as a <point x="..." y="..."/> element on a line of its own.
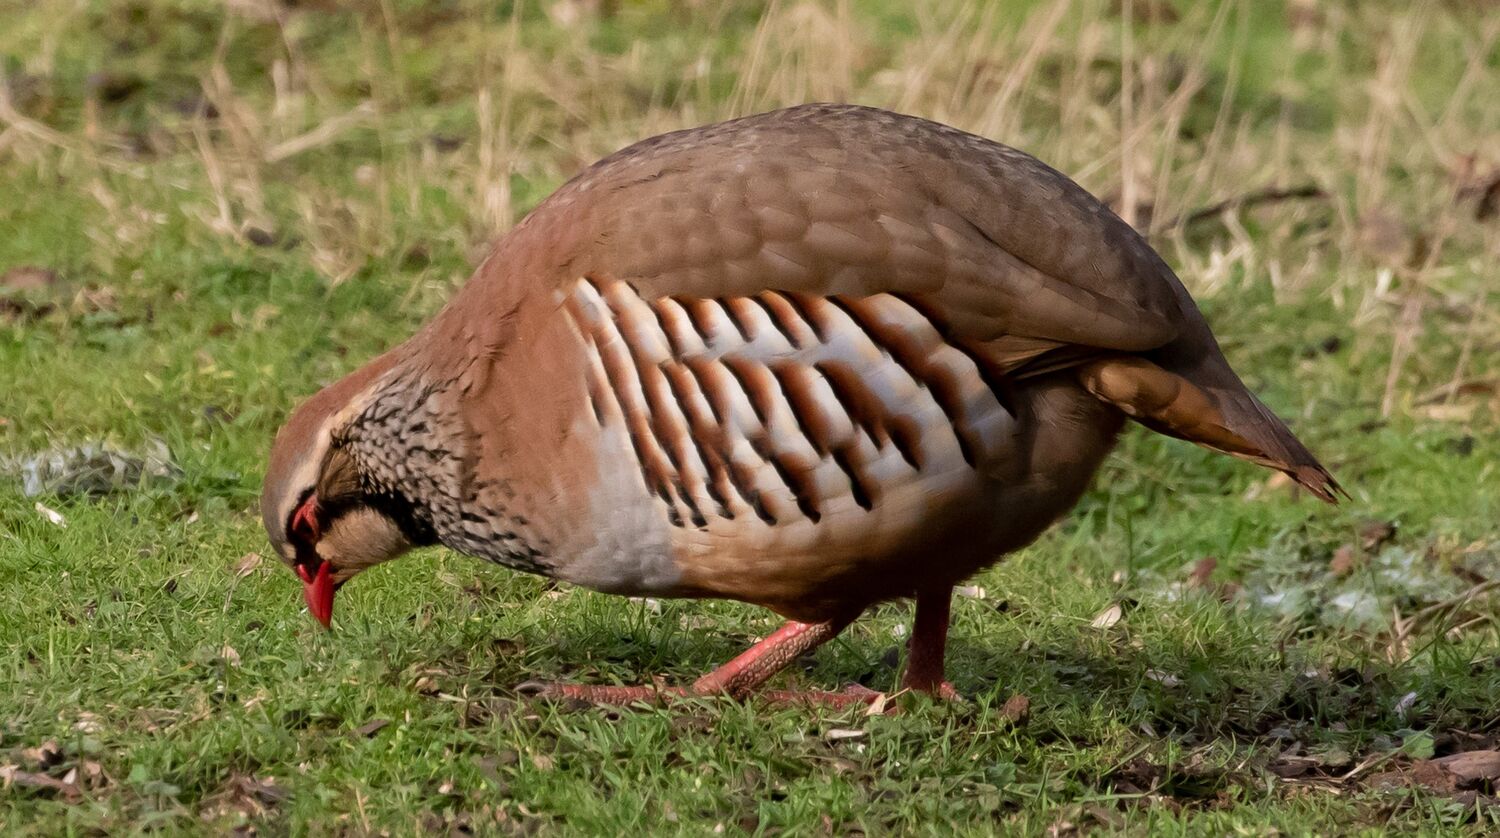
<point x="208" y="210"/>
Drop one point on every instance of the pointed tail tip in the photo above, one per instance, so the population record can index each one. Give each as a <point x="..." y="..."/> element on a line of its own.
<point x="1316" y="479"/>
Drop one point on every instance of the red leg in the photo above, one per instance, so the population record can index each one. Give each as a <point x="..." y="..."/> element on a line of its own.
<point x="738" y="677"/>
<point x="756" y="665"/>
<point x="929" y="642"/>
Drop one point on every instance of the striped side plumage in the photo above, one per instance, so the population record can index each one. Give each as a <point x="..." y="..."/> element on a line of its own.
<point x="782" y="405"/>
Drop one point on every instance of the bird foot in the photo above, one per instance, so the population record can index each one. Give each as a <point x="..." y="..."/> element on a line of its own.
<point x="936" y="690"/>
<point x="946" y="692"/>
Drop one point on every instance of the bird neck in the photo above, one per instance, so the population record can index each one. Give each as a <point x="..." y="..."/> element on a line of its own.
<point x="411" y="446"/>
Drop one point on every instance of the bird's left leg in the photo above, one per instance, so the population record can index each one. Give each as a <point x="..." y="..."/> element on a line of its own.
<point x="754" y="666"/>
<point x="739" y="677"/>
<point x="928" y="645"/>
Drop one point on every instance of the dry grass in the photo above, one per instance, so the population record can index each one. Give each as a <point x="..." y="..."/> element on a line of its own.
<point x="1180" y="112"/>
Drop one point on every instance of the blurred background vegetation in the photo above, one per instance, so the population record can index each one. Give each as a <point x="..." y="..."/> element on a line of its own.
<point x="209" y="209"/>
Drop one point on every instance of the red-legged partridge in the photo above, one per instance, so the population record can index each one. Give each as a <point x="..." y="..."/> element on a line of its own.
<point x="812" y="359"/>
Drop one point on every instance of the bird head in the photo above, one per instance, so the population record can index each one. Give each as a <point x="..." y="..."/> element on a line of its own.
<point x="314" y="504"/>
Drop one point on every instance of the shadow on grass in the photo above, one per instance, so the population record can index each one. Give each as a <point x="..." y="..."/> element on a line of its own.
<point x="1072" y="686"/>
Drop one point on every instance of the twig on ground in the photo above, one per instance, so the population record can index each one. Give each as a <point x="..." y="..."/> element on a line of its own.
<point x="1406" y="330"/>
<point x="1268" y="195"/>
<point x="1457" y="386"/>
<point x="1453" y="602"/>
<point x="321" y="135"/>
<point x="22" y="125"/>
<point x="1368" y="763"/>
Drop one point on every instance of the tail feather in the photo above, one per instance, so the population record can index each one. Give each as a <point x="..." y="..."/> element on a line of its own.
<point x="1229" y="419"/>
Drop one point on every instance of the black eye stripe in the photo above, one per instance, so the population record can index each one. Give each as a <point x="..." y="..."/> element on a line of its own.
<point x="291" y="517"/>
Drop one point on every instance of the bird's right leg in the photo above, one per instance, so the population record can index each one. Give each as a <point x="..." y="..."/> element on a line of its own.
<point x="929" y="644"/>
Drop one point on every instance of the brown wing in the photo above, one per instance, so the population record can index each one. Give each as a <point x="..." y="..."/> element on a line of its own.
<point x="1012" y="261"/>
<point x="837" y="200"/>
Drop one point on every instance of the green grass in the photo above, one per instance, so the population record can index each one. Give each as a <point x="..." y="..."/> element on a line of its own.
<point x="189" y="697"/>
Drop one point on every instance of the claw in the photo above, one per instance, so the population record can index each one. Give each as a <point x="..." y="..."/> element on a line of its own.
<point x="534" y="688"/>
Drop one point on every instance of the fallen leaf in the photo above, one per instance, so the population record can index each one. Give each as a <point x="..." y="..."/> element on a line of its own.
<point x="1374" y="534"/>
<point x="1108" y="617"/>
<point x="43" y="756"/>
<point x="245" y="795"/>
<point x="1472" y="767"/>
<point x="426" y="682"/>
<point x="1472" y="801"/>
<point x="1385" y="237"/>
<point x="28" y="278"/>
<point x="247" y="565"/>
<point x="1344" y="560"/>
<point x="1202" y="572"/>
<point x="1137" y="776"/>
<point x="1166" y="679"/>
<point x="651" y="603"/>
<point x="1291" y="767"/>
<point x="372" y="727"/>
<point x="844" y="734"/>
<point x="93" y="774"/>
<point x="970" y="591"/>
<point x="1450" y="412"/>
<point x="266" y="790"/>
<point x="1017" y="709"/>
<point x="1420" y="774"/>
<point x="52" y="515"/>
<point x="87" y="722"/>
<point x="12" y="776"/>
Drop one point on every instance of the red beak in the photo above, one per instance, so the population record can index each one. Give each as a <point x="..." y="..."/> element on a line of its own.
<point x="318" y="589"/>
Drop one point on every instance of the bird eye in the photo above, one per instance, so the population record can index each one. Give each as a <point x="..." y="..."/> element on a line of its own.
<point x="305" y="527"/>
